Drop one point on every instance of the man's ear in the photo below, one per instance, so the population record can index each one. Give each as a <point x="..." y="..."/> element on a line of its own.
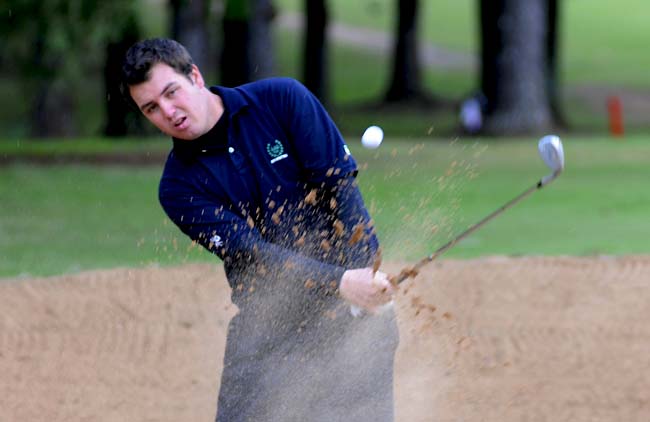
<point x="196" y="77"/>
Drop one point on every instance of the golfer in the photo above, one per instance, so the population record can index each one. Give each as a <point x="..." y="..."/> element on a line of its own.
<point x="261" y="177"/>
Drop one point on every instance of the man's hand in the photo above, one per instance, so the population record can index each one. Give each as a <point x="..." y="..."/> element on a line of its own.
<point x="366" y="289"/>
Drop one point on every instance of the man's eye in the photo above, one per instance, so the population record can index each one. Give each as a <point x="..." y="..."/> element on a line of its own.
<point x="171" y="92"/>
<point x="151" y="109"/>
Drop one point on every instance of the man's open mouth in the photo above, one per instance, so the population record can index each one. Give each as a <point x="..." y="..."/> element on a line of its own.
<point x="180" y="122"/>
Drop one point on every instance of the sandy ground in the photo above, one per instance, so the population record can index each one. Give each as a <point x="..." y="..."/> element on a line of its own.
<point x="496" y="339"/>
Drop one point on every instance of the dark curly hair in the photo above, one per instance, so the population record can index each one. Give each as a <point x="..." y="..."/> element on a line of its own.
<point x="143" y="55"/>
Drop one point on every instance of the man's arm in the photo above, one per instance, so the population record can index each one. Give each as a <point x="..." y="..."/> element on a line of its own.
<point x="250" y="258"/>
<point x="362" y="286"/>
<point x="239" y="243"/>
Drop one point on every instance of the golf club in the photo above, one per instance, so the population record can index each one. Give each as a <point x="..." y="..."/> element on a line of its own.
<point x="551" y="151"/>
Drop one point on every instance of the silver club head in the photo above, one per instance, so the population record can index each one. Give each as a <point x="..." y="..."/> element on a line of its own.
<point x="551" y="151"/>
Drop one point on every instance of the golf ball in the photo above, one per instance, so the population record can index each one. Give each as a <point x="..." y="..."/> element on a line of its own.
<point x="372" y="137"/>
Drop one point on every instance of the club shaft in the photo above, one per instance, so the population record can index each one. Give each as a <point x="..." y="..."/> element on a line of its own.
<point x="413" y="270"/>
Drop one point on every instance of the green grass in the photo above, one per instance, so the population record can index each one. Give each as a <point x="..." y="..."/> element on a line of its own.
<point x="82" y="147"/>
<point x="598" y="206"/>
<point x="604" y="42"/>
<point x="61" y="219"/>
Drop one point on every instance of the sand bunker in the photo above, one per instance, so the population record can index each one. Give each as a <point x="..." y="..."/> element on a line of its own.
<point x="495" y="339"/>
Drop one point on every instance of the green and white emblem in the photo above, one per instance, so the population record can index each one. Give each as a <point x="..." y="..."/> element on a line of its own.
<point x="276" y="151"/>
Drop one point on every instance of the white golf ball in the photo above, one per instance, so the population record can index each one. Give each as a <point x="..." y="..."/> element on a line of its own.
<point x="372" y="137"/>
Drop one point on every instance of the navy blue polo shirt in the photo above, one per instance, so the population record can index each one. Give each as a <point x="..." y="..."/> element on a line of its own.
<point x="271" y="190"/>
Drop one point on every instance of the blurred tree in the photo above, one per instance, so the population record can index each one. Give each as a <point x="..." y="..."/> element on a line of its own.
<point x="189" y="27"/>
<point x="518" y="53"/>
<point x="552" y="64"/>
<point x="315" y="48"/>
<point x="234" y="65"/>
<point x="121" y="118"/>
<point x="261" y="51"/>
<point x="406" y="82"/>
<point x="51" y="47"/>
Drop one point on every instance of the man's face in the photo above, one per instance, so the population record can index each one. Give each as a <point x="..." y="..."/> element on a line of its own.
<point x="174" y="103"/>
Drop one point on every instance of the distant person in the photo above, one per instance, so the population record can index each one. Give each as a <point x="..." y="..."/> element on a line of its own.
<point x="261" y="177"/>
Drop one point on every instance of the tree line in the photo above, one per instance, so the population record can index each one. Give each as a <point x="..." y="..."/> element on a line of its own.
<point x="52" y="46"/>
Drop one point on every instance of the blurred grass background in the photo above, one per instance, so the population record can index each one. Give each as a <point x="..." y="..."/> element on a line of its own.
<point x="64" y="218"/>
<point x="423" y="185"/>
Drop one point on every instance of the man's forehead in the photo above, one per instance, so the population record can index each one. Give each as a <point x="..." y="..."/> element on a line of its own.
<point x="159" y="78"/>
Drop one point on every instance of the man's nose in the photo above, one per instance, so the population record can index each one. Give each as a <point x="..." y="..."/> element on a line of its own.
<point x="168" y="109"/>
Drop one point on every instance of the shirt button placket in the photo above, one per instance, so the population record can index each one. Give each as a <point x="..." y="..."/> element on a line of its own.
<point x="236" y="159"/>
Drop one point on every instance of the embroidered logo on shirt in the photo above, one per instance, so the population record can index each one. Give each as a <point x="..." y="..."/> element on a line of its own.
<point x="216" y="241"/>
<point x="276" y="151"/>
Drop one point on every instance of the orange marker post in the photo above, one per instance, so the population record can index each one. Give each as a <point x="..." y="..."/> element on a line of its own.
<point x="615" y="111"/>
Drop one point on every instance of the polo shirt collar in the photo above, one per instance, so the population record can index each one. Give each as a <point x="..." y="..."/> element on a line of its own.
<point x="233" y="99"/>
<point x="216" y="139"/>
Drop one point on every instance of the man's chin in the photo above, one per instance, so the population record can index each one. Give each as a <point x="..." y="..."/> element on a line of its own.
<point x="184" y="135"/>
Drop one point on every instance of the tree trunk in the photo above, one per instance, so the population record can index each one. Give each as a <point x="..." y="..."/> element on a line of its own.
<point x="262" y="57"/>
<point x="315" y="49"/>
<point x="515" y="74"/>
<point x="405" y="82"/>
<point x="189" y="28"/>
<point x="491" y="42"/>
<point x="552" y="64"/>
<point x="121" y="118"/>
<point x="52" y="111"/>
<point x="235" y="64"/>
